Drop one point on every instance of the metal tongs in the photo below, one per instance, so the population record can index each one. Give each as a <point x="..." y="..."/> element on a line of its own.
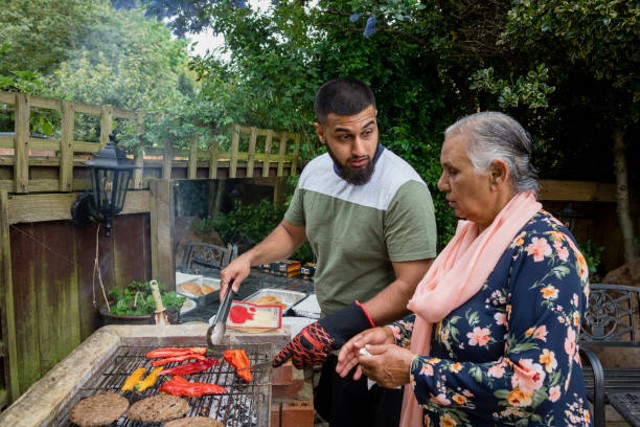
<point x="216" y="331"/>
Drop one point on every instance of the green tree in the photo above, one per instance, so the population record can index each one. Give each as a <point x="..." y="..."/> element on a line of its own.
<point x="595" y="43"/>
<point x="35" y="35"/>
<point x="127" y="61"/>
<point x="88" y="51"/>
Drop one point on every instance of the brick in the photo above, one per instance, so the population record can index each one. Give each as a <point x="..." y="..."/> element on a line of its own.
<point x="287" y="391"/>
<point x="283" y="374"/>
<point x="297" y="414"/>
<point x="275" y="415"/>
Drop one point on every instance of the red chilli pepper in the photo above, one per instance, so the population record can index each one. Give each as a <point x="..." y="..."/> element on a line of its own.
<point x="178" y="386"/>
<point x="190" y="367"/>
<point x="238" y="359"/>
<point x="165" y="352"/>
<point x="161" y="362"/>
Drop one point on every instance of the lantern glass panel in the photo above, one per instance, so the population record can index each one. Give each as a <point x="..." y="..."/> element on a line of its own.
<point x="110" y="189"/>
<point x="123" y="177"/>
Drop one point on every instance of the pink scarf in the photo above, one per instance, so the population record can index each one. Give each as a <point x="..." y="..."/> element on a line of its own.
<point x="456" y="275"/>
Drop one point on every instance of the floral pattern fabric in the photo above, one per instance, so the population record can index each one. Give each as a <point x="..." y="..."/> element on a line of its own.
<point x="509" y="355"/>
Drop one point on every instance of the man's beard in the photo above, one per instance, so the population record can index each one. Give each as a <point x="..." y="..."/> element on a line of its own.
<point x="358" y="176"/>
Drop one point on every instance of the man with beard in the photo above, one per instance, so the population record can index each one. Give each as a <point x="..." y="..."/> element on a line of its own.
<point x="369" y="219"/>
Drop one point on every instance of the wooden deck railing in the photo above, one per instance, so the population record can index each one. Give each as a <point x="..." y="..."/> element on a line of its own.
<point x="30" y="164"/>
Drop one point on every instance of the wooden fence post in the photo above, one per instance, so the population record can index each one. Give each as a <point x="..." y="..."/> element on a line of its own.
<point x="138" y="172"/>
<point x="167" y="159"/>
<point x="106" y="118"/>
<point x="296" y="153"/>
<point x="235" y="146"/>
<point x="21" y="144"/>
<point x="162" y="232"/>
<point x="192" y="167"/>
<point x="213" y="159"/>
<point x="251" y="154"/>
<point x="66" y="146"/>
<point x="282" y="152"/>
<point x="7" y="314"/>
<point x="267" y="153"/>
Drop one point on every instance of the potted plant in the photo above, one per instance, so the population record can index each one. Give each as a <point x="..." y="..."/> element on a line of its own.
<point x="135" y="304"/>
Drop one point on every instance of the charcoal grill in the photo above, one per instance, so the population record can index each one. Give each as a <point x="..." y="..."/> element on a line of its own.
<point x="105" y="360"/>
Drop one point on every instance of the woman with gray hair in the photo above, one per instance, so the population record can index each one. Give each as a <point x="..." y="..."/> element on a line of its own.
<point x="493" y="338"/>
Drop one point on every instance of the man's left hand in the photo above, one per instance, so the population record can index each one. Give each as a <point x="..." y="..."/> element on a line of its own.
<point x="313" y="344"/>
<point x="310" y="347"/>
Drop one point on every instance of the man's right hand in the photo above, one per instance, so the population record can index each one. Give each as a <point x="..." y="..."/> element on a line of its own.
<point x="234" y="273"/>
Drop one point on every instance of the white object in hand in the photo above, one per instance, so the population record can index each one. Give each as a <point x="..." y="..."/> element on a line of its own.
<point x="363" y="352"/>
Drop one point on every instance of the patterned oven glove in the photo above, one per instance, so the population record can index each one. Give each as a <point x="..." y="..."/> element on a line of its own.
<point x="312" y="345"/>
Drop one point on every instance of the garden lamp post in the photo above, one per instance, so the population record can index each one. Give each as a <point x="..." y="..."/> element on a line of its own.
<point x="110" y="175"/>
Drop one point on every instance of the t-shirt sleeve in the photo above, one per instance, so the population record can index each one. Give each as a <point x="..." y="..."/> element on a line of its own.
<point x="410" y="224"/>
<point x="295" y="212"/>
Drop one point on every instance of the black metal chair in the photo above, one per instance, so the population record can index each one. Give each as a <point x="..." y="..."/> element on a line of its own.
<point x="204" y="258"/>
<point x="612" y="320"/>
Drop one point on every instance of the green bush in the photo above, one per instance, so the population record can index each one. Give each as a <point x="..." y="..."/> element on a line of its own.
<point x="593" y="255"/>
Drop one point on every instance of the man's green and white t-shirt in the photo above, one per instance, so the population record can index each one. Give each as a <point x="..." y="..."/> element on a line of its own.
<point x="356" y="231"/>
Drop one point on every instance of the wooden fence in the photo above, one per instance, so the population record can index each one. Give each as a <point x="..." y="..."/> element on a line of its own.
<point x="31" y="164"/>
<point x="47" y="265"/>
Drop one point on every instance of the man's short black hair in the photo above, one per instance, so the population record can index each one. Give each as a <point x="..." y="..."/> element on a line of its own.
<point x="343" y="96"/>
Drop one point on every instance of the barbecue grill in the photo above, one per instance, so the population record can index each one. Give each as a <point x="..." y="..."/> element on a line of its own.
<point x="104" y="360"/>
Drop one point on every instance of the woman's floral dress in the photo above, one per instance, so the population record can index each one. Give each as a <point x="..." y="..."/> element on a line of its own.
<point x="509" y="355"/>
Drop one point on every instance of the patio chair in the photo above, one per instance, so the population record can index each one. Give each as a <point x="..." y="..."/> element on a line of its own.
<point x="204" y="258"/>
<point x="612" y="322"/>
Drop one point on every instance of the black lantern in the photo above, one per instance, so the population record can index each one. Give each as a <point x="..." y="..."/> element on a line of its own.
<point x="110" y="175"/>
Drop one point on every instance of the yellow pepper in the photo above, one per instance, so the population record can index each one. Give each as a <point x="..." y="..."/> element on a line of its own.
<point x="149" y="381"/>
<point x="132" y="379"/>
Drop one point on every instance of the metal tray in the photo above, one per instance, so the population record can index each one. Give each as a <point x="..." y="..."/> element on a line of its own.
<point x="206" y="299"/>
<point x="308" y="307"/>
<point x="287" y="298"/>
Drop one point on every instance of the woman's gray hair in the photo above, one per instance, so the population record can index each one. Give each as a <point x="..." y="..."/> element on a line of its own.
<point x="493" y="136"/>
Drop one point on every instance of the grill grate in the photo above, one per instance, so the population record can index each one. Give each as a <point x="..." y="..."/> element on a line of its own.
<point x="245" y="405"/>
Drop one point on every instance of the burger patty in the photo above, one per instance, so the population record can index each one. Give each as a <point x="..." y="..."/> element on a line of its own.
<point x="98" y="410"/>
<point x="158" y="408"/>
<point x="194" y="422"/>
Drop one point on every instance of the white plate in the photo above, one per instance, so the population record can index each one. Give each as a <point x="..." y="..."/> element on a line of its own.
<point x="188" y="306"/>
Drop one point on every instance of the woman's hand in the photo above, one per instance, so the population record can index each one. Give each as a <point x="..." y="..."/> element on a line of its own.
<point x="349" y="353"/>
<point x="388" y="364"/>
